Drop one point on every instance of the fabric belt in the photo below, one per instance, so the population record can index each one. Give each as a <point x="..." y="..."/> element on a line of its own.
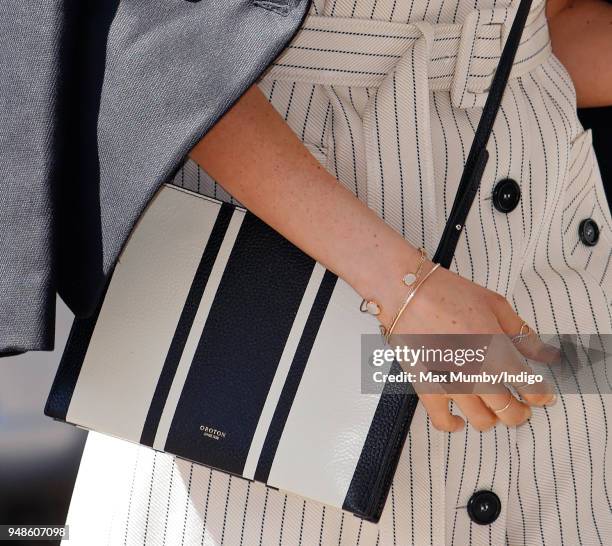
<point x="461" y="57"/>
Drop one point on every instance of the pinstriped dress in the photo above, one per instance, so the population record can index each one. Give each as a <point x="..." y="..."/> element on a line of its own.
<point x="387" y="94"/>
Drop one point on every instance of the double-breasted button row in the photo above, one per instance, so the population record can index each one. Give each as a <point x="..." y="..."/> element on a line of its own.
<point x="507" y="195"/>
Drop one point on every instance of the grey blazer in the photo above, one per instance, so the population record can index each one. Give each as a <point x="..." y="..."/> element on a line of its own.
<point x="99" y="104"/>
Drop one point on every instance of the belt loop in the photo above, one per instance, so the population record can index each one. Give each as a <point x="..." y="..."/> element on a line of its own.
<point x="500" y="18"/>
<point x="461" y="96"/>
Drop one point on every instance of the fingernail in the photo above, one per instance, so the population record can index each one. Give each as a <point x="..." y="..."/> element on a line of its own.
<point x="552" y="401"/>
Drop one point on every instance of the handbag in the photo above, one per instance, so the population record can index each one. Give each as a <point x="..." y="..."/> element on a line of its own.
<point x="220" y="342"/>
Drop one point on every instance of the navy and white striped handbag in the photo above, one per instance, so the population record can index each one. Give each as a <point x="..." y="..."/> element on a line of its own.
<point x="220" y="342"/>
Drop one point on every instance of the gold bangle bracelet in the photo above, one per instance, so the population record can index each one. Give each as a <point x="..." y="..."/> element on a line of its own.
<point x="386" y="332"/>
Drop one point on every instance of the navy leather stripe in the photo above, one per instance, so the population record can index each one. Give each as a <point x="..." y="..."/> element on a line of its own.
<point x="69" y="369"/>
<point x="228" y="382"/>
<point x="381" y="451"/>
<point x="185" y="322"/>
<point x="294" y="376"/>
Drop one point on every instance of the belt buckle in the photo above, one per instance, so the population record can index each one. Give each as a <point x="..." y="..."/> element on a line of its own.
<point x="463" y="95"/>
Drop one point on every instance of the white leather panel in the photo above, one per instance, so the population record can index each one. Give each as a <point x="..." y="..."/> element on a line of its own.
<point x="330" y="418"/>
<point x="140" y="313"/>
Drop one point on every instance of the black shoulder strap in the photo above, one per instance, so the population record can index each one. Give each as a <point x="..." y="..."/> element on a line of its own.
<point x="381" y="452"/>
<point x="478" y="156"/>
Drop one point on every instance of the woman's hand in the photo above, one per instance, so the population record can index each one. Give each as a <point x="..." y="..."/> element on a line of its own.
<point x="447" y="303"/>
<point x="258" y="159"/>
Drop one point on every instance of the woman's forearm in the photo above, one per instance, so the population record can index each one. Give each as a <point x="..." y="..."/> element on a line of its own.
<point x="581" y="34"/>
<point x="255" y="156"/>
<point x="258" y="159"/>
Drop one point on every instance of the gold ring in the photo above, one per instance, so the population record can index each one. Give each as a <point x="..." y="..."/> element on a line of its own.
<point x="498" y="411"/>
<point x="523" y="333"/>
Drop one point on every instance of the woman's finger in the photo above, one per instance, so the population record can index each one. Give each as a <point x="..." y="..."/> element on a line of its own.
<point x="475" y="411"/>
<point x="507" y="408"/>
<point x="436" y="406"/>
<point x="527" y="342"/>
<point x="504" y="356"/>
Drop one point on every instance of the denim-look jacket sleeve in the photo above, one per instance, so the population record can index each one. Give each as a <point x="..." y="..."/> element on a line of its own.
<point x="99" y="104"/>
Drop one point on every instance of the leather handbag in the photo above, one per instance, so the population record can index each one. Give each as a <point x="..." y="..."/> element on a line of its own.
<point x="220" y="342"/>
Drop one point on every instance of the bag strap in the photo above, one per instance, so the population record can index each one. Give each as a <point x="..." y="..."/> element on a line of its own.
<point x="478" y="155"/>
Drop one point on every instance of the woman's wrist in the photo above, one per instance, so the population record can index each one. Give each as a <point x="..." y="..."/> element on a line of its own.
<point x="380" y="277"/>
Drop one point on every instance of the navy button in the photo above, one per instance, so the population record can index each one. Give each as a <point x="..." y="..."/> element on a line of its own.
<point x="588" y="231"/>
<point x="484" y="507"/>
<point x="506" y="195"/>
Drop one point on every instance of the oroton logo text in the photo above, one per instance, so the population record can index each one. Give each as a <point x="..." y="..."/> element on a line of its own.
<point x="213" y="433"/>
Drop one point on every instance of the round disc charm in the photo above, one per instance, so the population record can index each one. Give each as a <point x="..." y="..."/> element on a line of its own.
<point x="409" y="279"/>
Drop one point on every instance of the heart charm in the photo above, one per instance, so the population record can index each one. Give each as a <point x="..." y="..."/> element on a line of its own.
<point x="373" y="308"/>
<point x="370" y="307"/>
